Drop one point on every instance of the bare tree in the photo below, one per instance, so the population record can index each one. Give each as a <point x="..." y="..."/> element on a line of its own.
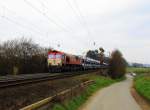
<point x="22" y="56"/>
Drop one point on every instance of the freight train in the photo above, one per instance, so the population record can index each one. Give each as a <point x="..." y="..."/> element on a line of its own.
<point x="60" y="61"/>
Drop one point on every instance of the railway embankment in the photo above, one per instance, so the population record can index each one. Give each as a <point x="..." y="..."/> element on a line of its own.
<point x="17" y="97"/>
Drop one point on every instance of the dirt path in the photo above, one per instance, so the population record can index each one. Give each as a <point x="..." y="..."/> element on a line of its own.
<point x="115" y="97"/>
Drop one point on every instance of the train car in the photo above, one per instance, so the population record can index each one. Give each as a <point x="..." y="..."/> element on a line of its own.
<point x="89" y="63"/>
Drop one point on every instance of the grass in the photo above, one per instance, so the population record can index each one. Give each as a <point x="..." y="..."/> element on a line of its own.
<point x="77" y="101"/>
<point x="138" y="70"/>
<point x="142" y="85"/>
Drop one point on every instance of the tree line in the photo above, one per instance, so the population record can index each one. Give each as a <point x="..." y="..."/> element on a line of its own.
<point x="22" y="56"/>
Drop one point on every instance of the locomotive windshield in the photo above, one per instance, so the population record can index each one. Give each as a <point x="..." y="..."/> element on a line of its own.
<point x="55" y="55"/>
<point x="58" y="56"/>
<point x="51" y="56"/>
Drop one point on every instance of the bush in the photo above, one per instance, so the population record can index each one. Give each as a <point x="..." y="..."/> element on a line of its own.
<point x="117" y="65"/>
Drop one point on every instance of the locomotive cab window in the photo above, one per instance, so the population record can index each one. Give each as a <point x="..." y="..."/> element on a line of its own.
<point x="58" y="56"/>
<point x="51" y="56"/>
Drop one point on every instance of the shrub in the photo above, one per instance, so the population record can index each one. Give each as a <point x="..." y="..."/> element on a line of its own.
<point x="117" y="65"/>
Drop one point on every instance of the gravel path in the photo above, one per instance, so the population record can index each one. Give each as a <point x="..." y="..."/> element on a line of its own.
<point x="115" y="97"/>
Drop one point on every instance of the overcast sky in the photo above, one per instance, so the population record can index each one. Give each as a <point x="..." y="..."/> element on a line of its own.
<point x="77" y="24"/>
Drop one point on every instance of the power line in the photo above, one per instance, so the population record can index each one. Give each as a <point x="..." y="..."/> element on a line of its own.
<point x="17" y="23"/>
<point x="81" y="15"/>
<point x="51" y="20"/>
<point x="44" y="14"/>
<point x="74" y="11"/>
<point x="14" y="13"/>
<point x="39" y="11"/>
<point x="53" y="14"/>
<point x="10" y="20"/>
<point x="83" y="18"/>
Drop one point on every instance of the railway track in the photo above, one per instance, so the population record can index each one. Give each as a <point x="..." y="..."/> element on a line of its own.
<point x="11" y="81"/>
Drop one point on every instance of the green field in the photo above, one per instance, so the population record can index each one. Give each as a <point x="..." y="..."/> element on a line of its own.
<point x="142" y="81"/>
<point x="142" y="85"/>
<point x="138" y="70"/>
<point x="76" y="102"/>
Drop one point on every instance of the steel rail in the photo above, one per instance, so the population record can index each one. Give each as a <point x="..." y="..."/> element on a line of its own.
<point x="30" y="80"/>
